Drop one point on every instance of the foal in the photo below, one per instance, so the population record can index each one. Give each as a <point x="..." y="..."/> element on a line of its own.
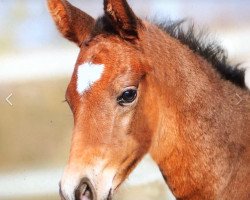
<point x="142" y="88"/>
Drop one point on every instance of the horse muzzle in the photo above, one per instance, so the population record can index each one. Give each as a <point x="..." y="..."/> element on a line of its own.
<point x="86" y="189"/>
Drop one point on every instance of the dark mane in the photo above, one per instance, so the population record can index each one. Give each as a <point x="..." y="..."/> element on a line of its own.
<point x="211" y="51"/>
<point x="197" y="42"/>
<point x="103" y="26"/>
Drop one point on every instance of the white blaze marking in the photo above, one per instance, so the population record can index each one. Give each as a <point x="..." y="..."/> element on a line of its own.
<point x="87" y="74"/>
<point x="247" y="78"/>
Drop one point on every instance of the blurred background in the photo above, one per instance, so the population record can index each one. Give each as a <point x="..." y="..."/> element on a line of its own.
<point x="36" y="64"/>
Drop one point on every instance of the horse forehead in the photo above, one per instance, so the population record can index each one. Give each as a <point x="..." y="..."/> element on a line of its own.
<point x="87" y="74"/>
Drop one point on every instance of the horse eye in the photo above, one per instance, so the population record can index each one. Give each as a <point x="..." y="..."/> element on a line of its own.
<point x="127" y="97"/>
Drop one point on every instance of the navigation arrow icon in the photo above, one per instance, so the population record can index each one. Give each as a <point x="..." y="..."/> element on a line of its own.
<point x="8" y="99"/>
<point x="239" y="99"/>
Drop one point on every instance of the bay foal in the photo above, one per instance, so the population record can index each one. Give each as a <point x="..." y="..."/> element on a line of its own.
<point x="142" y="88"/>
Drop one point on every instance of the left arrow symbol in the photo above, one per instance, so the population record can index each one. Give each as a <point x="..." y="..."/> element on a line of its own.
<point x="8" y="99"/>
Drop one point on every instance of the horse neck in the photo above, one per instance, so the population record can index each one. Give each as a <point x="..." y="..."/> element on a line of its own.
<point x="193" y="136"/>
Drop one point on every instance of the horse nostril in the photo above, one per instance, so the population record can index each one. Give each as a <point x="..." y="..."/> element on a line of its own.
<point x="85" y="191"/>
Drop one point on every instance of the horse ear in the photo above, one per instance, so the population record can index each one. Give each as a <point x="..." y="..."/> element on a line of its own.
<point x="122" y="17"/>
<point x="74" y="24"/>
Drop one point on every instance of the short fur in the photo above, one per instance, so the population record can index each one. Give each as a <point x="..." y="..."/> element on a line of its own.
<point x="194" y="123"/>
<point x="211" y="51"/>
